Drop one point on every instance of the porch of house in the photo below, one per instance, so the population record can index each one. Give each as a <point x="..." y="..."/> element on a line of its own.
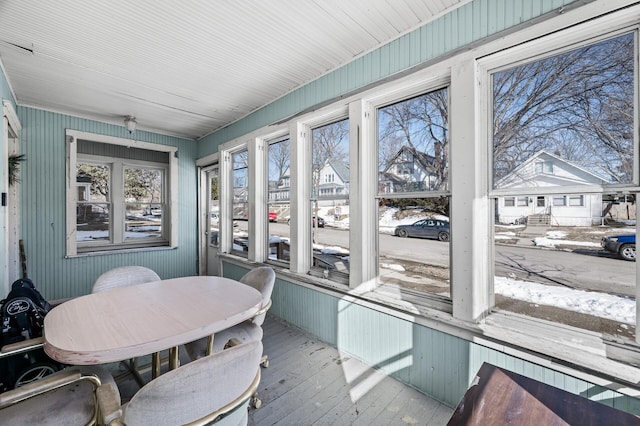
<point x="309" y="382"/>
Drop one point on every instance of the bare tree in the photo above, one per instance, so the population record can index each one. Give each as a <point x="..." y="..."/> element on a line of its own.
<point x="328" y="143"/>
<point x="577" y="104"/>
<point x="99" y="176"/>
<point x="279" y="160"/>
<point x="143" y="185"/>
<point x="421" y="124"/>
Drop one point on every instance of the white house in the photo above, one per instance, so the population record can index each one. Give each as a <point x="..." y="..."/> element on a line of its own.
<point x="333" y="180"/>
<point x="409" y="170"/>
<point x="548" y="170"/>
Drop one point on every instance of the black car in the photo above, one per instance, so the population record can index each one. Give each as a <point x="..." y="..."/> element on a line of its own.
<point x="425" y="228"/>
<point x="313" y="221"/>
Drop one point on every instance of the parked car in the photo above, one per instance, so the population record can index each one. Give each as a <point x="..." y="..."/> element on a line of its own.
<point x="152" y="211"/>
<point x="313" y="221"/>
<point x="623" y="245"/>
<point x="425" y="228"/>
<point x="273" y="216"/>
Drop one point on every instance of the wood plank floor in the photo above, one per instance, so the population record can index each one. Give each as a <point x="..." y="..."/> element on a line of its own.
<point x="309" y="382"/>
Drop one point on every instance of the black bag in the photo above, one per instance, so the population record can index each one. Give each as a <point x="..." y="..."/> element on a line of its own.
<point x="22" y="317"/>
<point x="22" y="313"/>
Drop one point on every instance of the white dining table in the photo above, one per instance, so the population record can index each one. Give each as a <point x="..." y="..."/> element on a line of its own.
<point x="134" y="321"/>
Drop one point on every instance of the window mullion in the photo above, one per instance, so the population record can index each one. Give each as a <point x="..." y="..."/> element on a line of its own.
<point x="470" y="205"/>
<point x="117" y="203"/>
<point x="362" y="196"/>
<point x="300" y="194"/>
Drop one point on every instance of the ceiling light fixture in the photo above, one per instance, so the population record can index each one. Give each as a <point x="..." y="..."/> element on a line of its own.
<point x="130" y="123"/>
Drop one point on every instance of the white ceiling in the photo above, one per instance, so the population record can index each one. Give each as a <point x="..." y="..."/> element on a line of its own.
<point x="187" y="67"/>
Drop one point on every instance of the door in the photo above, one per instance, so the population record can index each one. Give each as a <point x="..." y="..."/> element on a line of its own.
<point x="213" y="220"/>
<point x="10" y="267"/>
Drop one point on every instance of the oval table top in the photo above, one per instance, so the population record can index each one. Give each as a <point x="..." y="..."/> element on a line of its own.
<point x="138" y="320"/>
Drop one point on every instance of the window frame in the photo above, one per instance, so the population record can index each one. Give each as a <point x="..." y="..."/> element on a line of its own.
<point x="271" y="139"/>
<point x="537" y="49"/>
<point x="410" y="89"/>
<point x="73" y="249"/>
<point x="472" y="197"/>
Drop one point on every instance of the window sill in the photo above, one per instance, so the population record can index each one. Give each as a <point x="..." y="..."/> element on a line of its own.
<point x="118" y="251"/>
<point x="584" y="354"/>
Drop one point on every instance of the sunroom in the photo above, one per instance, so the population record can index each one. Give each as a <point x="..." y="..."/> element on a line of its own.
<point x="360" y="150"/>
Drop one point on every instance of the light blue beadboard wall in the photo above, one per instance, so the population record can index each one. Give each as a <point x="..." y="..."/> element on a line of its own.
<point x="434" y="362"/>
<point x="467" y="24"/>
<point x="43" y="207"/>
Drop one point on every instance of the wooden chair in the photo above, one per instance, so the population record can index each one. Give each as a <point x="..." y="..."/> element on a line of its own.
<point x="123" y="277"/>
<point x="67" y="397"/>
<point x="213" y="389"/>
<point x="262" y="279"/>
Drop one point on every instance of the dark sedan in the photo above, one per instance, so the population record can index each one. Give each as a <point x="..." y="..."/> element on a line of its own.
<point x="313" y="221"/>
<point x="425" y="228"/>
<point x="623" y="245"/>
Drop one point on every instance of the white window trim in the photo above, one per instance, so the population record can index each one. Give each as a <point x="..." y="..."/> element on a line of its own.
<point x="581" y="34"/>
<point x="472" y="206"/>
<point x="276" y="137"/>
<point x="72" y="195"/>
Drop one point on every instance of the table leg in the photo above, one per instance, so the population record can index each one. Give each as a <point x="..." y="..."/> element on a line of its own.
<point x="209" y="345"/>
<point x="174" y="360"/>
<point x="155" y="365"/>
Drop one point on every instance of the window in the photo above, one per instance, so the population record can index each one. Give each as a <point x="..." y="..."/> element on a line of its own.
<point x="120" y="196"/>
<point x="330" y="198"/>
<point x="240" y="203"/>
<point x="523" y="201"/>
<point x="279" y="169"/>
<point x="544" y="167"/>
<point x="413" y="174"/>
<point x="509" y="201"/>
<point x="559" y="200"/>
<point x="580" y="131"/>
<point x="576" y="200"/>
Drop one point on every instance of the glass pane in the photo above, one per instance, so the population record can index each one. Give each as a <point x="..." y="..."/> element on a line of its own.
<point x="279" y="200"/>
<point x="143" y="221"/>
<point x="567" y="119"/>
<point x="330" y="212"/>
<point x="92" y="222"/>
<point x="330" y="160"/>
<point x="144" y="207"/>
<point x="214" y="214"/>
<point x="414" y="244"/>
<point x="574" y="275"/>
<point x="413" y="144"/>
<point x="93" y="208"/>
<point x="330" y="236"/>
<point x="240" y="181"/>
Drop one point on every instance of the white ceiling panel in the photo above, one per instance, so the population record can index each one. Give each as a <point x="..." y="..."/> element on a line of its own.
<point x="190" y="67"/>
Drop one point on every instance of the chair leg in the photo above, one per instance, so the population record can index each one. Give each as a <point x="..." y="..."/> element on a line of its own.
<point x="264" y="361"/>
<point x="255" y="402"/>
<point x="132" y="366"/>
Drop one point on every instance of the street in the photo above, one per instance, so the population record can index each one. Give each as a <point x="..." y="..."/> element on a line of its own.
<point x="580" y="269"/>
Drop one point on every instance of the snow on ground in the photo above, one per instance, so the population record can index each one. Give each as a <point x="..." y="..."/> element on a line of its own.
<point x="553" y="242"/>
<point x="615" y="308"/>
